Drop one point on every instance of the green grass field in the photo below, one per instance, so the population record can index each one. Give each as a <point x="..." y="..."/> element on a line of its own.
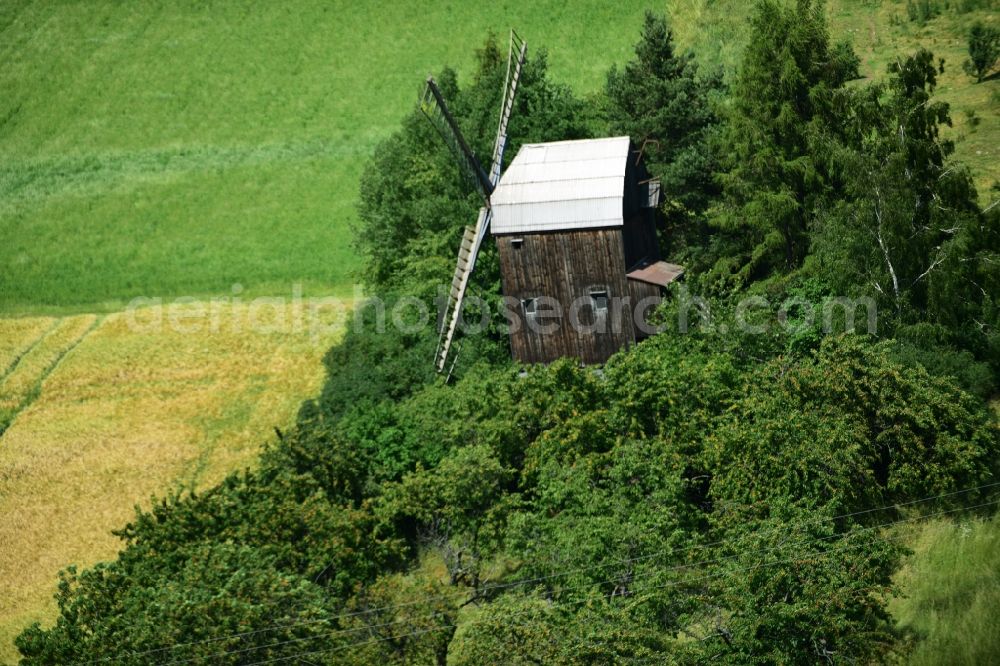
<point x="881" y="30"/>
<point x="169" y="148"/>
<point x="158" y="149"/>
<point x="950" y="593"/>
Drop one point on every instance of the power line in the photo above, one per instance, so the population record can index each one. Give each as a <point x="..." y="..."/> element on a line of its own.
<point x="504" y="586"/>
<point x="602" y="596"/>
<point x="635" y="577"/>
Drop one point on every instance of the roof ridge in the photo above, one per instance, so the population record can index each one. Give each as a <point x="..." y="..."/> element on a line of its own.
<point x="565" y="141"/>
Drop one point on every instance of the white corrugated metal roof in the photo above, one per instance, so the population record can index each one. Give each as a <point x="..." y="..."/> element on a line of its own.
<point x="562" y="185"/>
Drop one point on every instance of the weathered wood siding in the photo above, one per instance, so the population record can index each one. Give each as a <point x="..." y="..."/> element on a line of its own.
<point x="561" y="269"/>
<point x="642" y="308"/>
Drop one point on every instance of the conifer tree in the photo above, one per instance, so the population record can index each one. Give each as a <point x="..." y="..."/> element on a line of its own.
<point x="784" y="103"/>
<point x="660" y="96"/>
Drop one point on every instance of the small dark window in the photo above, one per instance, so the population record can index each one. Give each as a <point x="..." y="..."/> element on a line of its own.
<point x="599" y="299"/>
<point x="530" y="306"/>
<point x="516" y="242"/>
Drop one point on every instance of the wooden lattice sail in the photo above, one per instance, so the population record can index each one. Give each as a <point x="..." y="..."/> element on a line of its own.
<point x="434" y="107"/>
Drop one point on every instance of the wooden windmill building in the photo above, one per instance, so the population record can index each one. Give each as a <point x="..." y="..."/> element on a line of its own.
<point x="575" y="230"/>
<point x="579" y="258"/>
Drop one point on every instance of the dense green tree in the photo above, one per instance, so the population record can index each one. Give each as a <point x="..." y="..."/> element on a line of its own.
<point x="785" y="100"/>
<point x="984" y="49"/>
<point x="673" y="386"/>
<point x="376" y="360"/>
<point x="583" y="517"/>
<point x="456" y="510"/>
<point x="769" y="447"/>
<point x="849" y="428"/>
<point x="604" y="507"/>
<point x="660" y="97"/>
<point x="792" y="590"/>
<point x="962" y="297"/>
<point x="285" y="515"/>
<point x="402" y="618"/>
<point x="944" y="352"/>
<point x="201" y="605"/>
<point x="590" y="629"/>
<point x="909" y="216"/>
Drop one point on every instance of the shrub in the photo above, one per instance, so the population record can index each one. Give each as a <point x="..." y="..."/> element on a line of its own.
<point x="984" y="49"/>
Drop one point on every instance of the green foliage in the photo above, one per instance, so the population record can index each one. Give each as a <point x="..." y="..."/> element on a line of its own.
<point x="673" y="386"/>
<point x="604" y="506"/>
<point x="376" y="360"/>
<point x="984" y="50"/>
<point x="286" y="516"/>
<point x="771" y="448"/>
<point x="660" y="96"/>
<point x="932" y="347"/>
<point x="685" y="493"/>
<point x="525" y="629"/>
<point x="383" y="624"/>
<point x="924" y="435"/>
<point x="314" y="449"/>
<point x="192" y="611"/>
<point x="457" y="509"/>
<point x="796" y="595"/>
<point x="530" y="629"/>
<point x="785" y="101"/>
<point x="908" y="230"/>
<point x="963" y="295"/>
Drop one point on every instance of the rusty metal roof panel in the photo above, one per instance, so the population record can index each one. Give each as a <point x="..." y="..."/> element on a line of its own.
<point x="562" y="185"/>
<point x="660" y="273"/>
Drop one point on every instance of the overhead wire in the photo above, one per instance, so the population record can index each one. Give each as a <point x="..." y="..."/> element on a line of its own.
<point x="538" y="579"/>
<point x="587" y="585"/>
<point x="604" y="596"/>
<point x="503" y="586"/>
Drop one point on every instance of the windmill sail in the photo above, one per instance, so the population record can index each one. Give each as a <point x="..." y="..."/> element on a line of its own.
<point x="473" y="238"/>
<point x="459" y="283"/>
<point x="520" y="47"/>
<point x="434" y="107"/>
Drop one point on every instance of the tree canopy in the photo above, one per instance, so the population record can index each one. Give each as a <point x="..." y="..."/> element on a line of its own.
<point x="785" y="103"/>
<point x="667" y="106"/>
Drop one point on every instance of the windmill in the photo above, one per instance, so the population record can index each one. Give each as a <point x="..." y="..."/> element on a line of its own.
<point x="434" y="107"/>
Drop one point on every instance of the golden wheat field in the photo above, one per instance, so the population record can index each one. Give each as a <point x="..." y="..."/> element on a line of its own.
<point x="105" y="412"/>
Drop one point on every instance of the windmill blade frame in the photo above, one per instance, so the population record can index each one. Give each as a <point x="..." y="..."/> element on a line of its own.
<point x="473" y="237"/>
<point x="514" y="66"/>
<point x="511" y="78"/>
<point x="459" y="284"/>
<point x="436" y="110"/>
